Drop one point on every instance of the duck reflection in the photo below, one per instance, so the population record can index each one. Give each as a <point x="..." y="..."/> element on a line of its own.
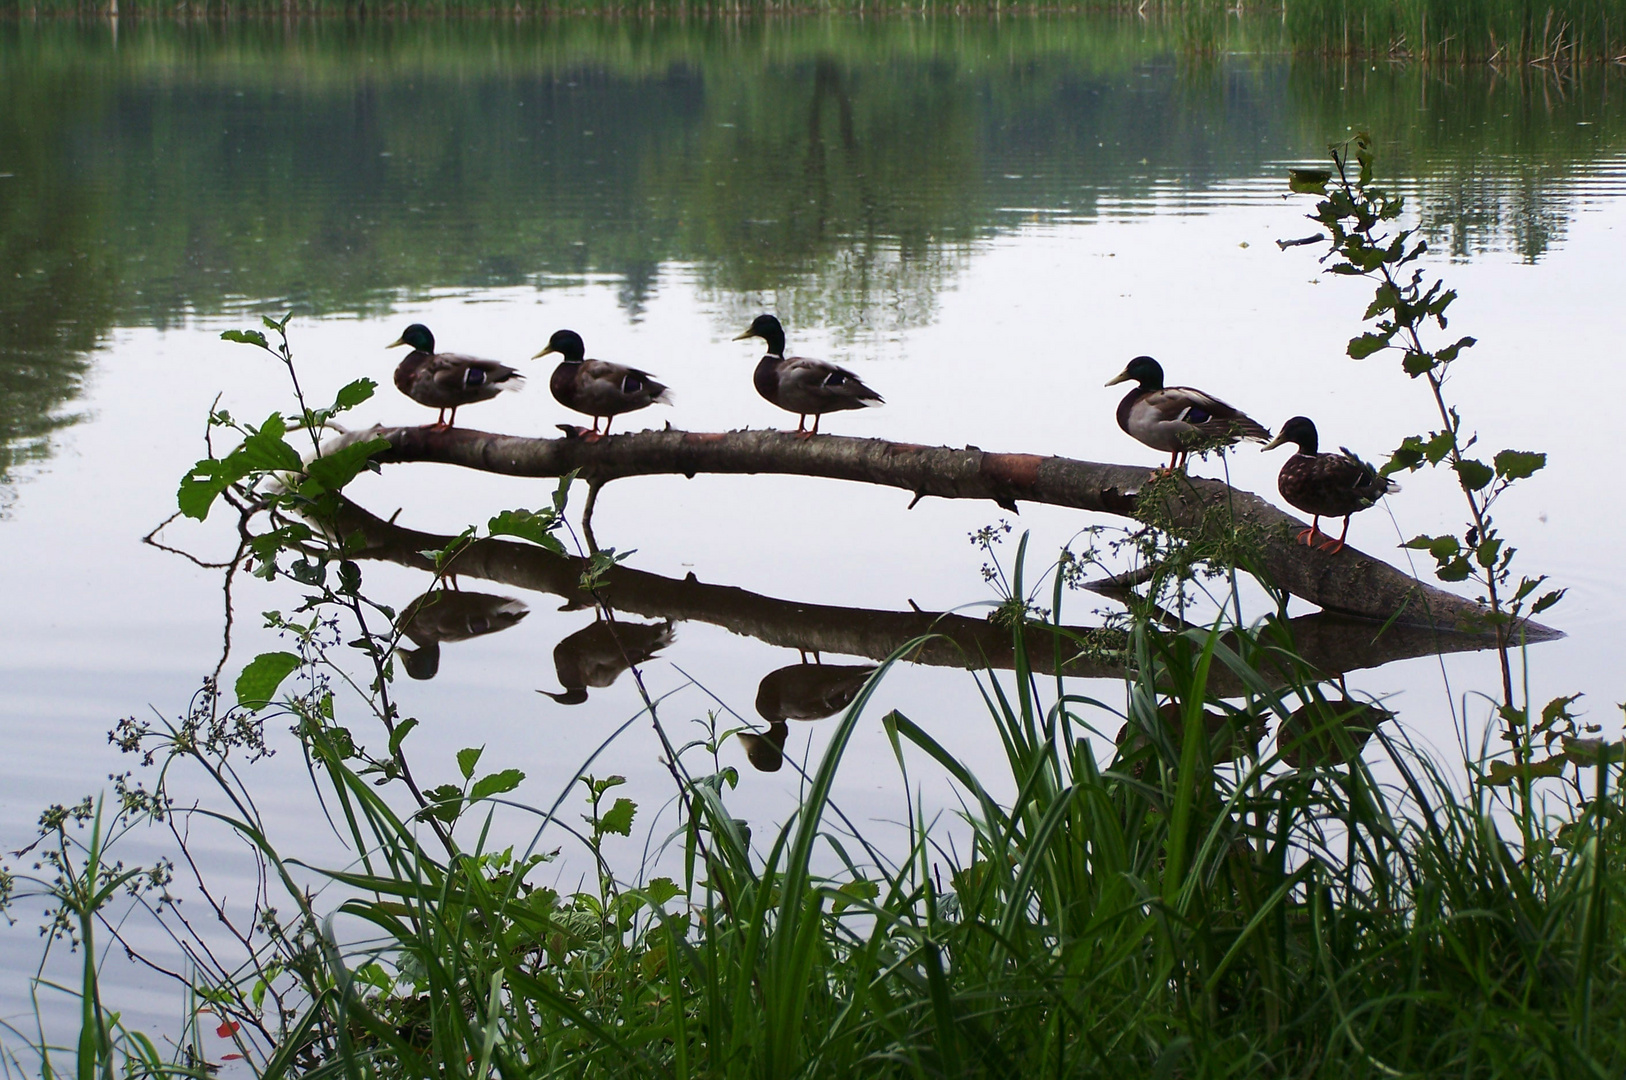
<point x="1309" y="737"/>
<point x="801" y="691"/>
<point x="1229" y="736"/>
<point x="810" y="691"/>
<point x="765" y="750"/>
<point x="451" y="615"/>
<point x="598" y="653"/>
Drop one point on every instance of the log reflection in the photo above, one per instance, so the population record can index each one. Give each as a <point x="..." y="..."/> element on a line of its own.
<point x="1331" y="644"/>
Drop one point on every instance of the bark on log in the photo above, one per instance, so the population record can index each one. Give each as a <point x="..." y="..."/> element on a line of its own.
<point x="1331" y="644"/>
<point x="1349" y="582"/>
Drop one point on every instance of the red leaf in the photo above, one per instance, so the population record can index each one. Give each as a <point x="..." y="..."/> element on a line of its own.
<point x="228" y="1029"/>
<point x="231" y="1057"/>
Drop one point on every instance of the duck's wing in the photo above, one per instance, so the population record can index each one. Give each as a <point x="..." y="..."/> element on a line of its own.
<point x="1369" y="482"/>
<point x="603" y="388"/>
<point x="812" y="386"/>
<point x="453" y="373"/>
<point x="1206" y="420"/>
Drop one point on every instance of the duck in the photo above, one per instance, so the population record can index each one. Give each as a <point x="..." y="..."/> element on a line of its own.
<point x="446" y="380"/>
<point x="599" y="652"/>
<point x="1326" y="485"/>
<point x="810" y="691"/>
<point x="441" y="615"/>
<point x="1178" y="419"/>
<point x="1308" y="737"/>
<point x="1229" y="736"/>
<point x="598" y="387"/>
<point x="802" y="386"/>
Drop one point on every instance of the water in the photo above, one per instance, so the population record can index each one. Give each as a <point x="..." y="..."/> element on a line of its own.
<point x="984" y="218"/>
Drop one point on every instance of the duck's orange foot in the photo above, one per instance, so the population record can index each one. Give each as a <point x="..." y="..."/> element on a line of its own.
<point x="1307" y="536"/>
<point x="800" y="434"/>
<point x="1331" y="547"/>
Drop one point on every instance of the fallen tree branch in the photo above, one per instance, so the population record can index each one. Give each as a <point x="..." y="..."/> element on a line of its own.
<point x="1349" y="582"/>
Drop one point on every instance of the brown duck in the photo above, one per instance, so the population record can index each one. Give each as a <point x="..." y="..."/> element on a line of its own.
<point x="1326" y="485"/>
<point x="598" y="388"/>
<point x="446" y="380"/>
<point x="802" y="386"/>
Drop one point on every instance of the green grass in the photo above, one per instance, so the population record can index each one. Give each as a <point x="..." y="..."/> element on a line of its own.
<point x="1149" y="914"/>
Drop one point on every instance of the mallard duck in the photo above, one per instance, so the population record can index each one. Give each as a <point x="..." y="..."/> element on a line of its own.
<point x="449" y="615"/>
<point x="1178" y="419"/>
<point x="1228" y="736"/>
<point x="1325" y="485"/>
<point x="765" y="750"/>
<point x="810" y="691"/>
<point x="598" y="387"/>
<point x="446" y="380"/>
<point x="802" y="386"/>
<point x="599" y="652"/>
<point x="1309" y="735"/>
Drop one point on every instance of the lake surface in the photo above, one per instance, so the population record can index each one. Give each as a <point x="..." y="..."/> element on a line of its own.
<point x="985" y="218"/>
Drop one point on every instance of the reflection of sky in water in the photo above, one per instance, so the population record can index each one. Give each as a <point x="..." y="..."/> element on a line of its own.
<point x="1023" y="324"/>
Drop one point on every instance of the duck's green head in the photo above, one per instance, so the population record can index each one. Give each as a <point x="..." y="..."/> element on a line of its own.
<point x="418" y="336"/>
<point x="566" y="343"/>
<point x="1298" y="430"/>
<point x="768" y="329"/>
<point x="1144" y="370"/>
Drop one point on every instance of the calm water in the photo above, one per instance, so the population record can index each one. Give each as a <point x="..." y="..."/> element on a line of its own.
<point x="986" y="219"/>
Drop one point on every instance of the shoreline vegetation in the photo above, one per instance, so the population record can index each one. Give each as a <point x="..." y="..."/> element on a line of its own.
<point x="1557" y="33"/>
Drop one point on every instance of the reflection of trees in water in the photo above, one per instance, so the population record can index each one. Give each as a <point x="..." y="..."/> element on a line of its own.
<point x="56" y="295"/>
<point x="839" y="171"/>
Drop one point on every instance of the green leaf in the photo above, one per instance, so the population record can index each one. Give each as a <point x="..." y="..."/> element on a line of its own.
<point x="498" y="783"/>
<point x="1441" y="547"/>
<point x="1547" y="600"/>
<point x="599" y="787"/>
<point x="1367" y="344"/>
<point x="201" y="487"/>
<point x="353" y="394"/>
<point x="618" y="819"/>
<point x="1519" y="464"/>
<point x="265" y="450"/>
<point x="1454" y="570"/>
<point x="245" y="337"/>
<point x="400" y="733"/>
<point x="1485" y="554"/>
<point x="1418" y="363"/>
<point x="1439" y="447"/>
<point x="333" y="471"/>
<point x="258" y="683"/>
<point x="1502" y="774"/>
<point x="661" y="889"/>
<point x="859" y="889"/>
<point x="534" y="525"/>
<point x="1474" y="474"/>
<point x="466" y="760"/>
<point x="1308" y="181"/>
